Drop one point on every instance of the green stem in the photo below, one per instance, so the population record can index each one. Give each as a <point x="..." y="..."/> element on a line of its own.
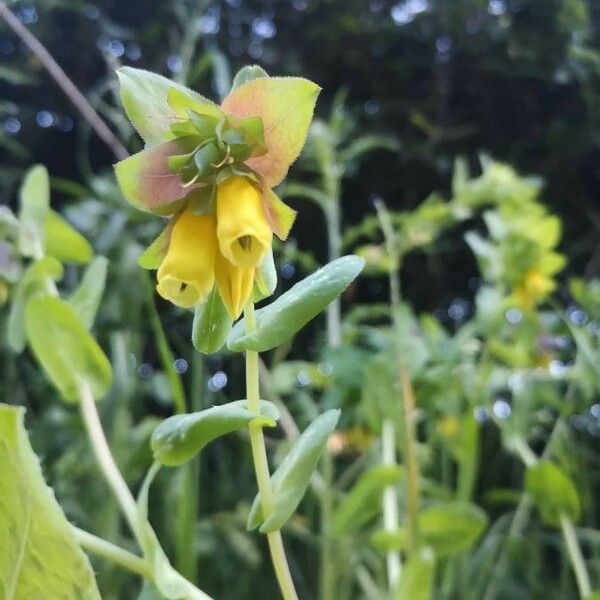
<point x="581" y="575"/>
<point x="105" y="459"/>
<point x="390" y="501"/>
<point x="408" y="396"/>
<point x="261" y="465"/>
<point x="114" y="478"/>
<point x="101" y="547"/>
<point x="164" y="351"/>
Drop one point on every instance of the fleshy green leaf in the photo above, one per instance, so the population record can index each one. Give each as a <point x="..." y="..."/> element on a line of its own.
<point x="147" y="181"/>
<point x="86" y="298"/>
<point x="65" y="349"/>
<point x="418" y="575"/>
<point x="280" y="216"/>
<point x="363" y="502"/>
<point x="37" y="279"/>
<point x="145" y="100"/>
<point x="212" y="324"/>
<point x="285" y="105"/>
<point x="179" y="438"/>
<point x="246" y="74"/>
<point x="40" y="557"/>
<point x="64" y="242"/>
<point x="290" y="480"/>
<point x="280" y="320"/>
<point x="34" y="199"/>
<point x="553" y="492"/>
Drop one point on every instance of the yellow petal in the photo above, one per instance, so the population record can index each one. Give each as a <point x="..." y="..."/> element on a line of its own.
<point x="235" y="285"/>
<point x="187" y="273"/>
<point x="242" y="228"/>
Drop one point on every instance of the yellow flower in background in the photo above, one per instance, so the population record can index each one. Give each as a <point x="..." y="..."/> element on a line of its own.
<point x="187" y="273"/>
<point x="244" y="233"/>
<point x="235" y="285"/>
<point x="533" y="288"/>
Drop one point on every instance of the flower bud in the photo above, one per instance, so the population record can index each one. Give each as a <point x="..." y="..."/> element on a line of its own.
<point x="187" y="273"/>
<point x="242" y="228"/>
<point x="235" y="285"/>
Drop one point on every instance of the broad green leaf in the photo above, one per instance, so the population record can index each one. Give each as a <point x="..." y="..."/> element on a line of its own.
<point x="285" y="105"/>
<point x="39" y="555"/>
<point x="34" y="201"/>
<point x="144" y="96"/>
<point x="37" y="279"/>
<point x="246" y="74"/>
<point x="179" y="438"/>
<point x="452" y="527"/>
<point x="290" y="480"/>
<point x="155" y="253"/>
<point x="553" y="492"/>
<point x="68" y="353"/>
<point x="212" y="324"/>
<point x="448" y="527"/>
<point x="280" y="320"/>
<point x="363" y="501"/>
<point x="418" y="577"/>
<point x="64" y="242"/>
<point x="86" y="298"/>
<point x="147" y="181"/>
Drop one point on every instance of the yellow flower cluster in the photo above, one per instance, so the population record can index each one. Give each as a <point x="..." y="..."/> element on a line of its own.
<point x="222" y="249"/>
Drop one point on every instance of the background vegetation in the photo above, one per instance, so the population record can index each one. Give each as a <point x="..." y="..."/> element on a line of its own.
<point x="408" y="88"/>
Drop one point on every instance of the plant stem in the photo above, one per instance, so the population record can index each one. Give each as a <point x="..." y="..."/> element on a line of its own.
<point x="408" y="396"/>
<point x="581" y="575"/>
<point x="115" y="479"/>
<point x="68" y="87"/>
<point x="261" y="465"/>
<point x="105" y="549"/>
<point x="105" y="458"/>
<point x="390" y="501"/>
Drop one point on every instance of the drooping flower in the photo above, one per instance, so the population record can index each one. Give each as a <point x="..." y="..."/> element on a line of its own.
<point x="211" y="169"/>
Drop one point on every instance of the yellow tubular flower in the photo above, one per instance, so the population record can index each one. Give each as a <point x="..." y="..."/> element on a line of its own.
<point x="235" y="285"/>
<point x="242" y="228"/>
<point x="187" y="273"/>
